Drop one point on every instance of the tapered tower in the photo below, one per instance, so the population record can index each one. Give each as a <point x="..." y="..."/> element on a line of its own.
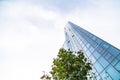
<point x="105" y="57"/>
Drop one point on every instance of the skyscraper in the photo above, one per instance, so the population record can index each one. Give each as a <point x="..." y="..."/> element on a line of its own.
<point x="104" y="57"/>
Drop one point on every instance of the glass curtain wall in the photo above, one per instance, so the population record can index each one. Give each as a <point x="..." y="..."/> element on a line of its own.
<point x="105" y="57"/>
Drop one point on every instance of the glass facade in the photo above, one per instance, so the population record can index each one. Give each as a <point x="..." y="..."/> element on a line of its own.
<point x="104" y="57"/>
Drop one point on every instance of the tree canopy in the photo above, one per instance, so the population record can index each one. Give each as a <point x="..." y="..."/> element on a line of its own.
<point x="71" y="66"/>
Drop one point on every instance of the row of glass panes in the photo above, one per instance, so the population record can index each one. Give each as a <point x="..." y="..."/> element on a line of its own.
<point x="79" y="39"/>
<point x="104" y="45"/>
<point x="94" y="60"/>
<point x="88" y="39"/>
<point x="101" y="70"/>
<point x="93" y="37"/>
<point x="73" y="40"/>
<point x="69" y="41"/>
<point x="87" y="52"/>
<point x="114" y="73"/>
<point x="103" y="59"/>
<point x="110" y="58"/>
<point x="104" y="63"/>
<point x="74" y="47"/>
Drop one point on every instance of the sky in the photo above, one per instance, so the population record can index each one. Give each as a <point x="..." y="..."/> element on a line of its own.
<point x="32" y="31"/>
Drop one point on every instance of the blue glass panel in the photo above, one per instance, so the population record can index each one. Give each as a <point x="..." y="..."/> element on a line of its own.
<point x="86" y="33"/>
<point x="88" y="53"/>
<point x="111" y="58"/>
<point x="92" y="59"/>
<point x="90" y="41"/>
<point x="80" y="42"/>
<point x="89" y="34"/>
<point x="96" y="54"/>
<point x="98" y="40"/>
<point x="85" y="48"/>
<point x="114" y="62"/>
<point x="98" y="78"/>
<point x="94" y="38"/>
<point x="87" y="38"/>
<point x="118" y="57"/>
<point x="105" y="45"/>
<point x="98" y="67"/>
<point x="94" y="71"/>
<point x="100" y="50"/>
<point x="103" y="62"/>
<point x="105" y="76"/>
<point x="108" y="55"/>
<point x="114" y="74"/>
<point x="105" y="53"/>
<point x="117" y="66"/>
<point x="82" y="45"/>
<point x="91" y="49"/>
<point x="84" y="41"/>
<point x="114" y="51"/>
<point x="87" y="45"/>
<point x="94" y="44"/>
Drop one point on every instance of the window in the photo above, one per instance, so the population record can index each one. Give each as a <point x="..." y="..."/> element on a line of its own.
<point x="98" y="67"/>
<point x="103" y="62"/>
<point x="87" y="38"/>
<point x="105" y="53"/>
<point x="114" y="62"/>
<point x="100" y="50"/>
<point x="114" y="74"/>
<point x="98" y="78"/>
<point x="105" y="76"/>
<point x="118" y="57"/>
<point x="87" y="45"/>
<point x="87" y="33"/>
<point x="91" y="49"/>
<point x="88" y="53"/>
<point x="84" y="41"/>
<point x="90" y="41"/>
<point x="96" y="54"/>
<point x="111" y="58"/>
<point x="117" y="66"/>
<point x="85" y="48"/>
<point x="108" y="55"/>
<point x="105" y="45"/>
<point x="90" y="35"/>
<point x="94" y="44"/>
<point x="92" y="59"/>
<point x="82" y="45"/>
<point x="94" y="38"/>
<point x="98" y="40"/>
<point x="114" y="51"/>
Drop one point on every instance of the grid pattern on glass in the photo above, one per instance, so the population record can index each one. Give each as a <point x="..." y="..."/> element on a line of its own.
<point x="105" y="57"/>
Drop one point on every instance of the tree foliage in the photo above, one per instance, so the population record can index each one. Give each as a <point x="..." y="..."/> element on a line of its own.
<point x="70" y="66"/>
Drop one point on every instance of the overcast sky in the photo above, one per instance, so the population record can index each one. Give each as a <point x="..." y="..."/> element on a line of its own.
<point x="32" y="31"/>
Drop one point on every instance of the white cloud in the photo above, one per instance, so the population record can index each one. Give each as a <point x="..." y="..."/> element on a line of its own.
<point x="27" y="49"/>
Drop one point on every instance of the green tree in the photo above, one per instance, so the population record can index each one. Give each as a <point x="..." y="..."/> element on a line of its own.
<point x="71" y="66"/>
